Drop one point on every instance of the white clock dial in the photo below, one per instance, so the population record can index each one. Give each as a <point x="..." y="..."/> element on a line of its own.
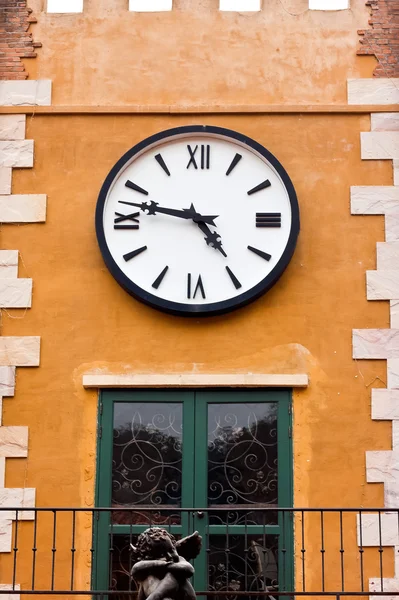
<point x="197" y="220"/>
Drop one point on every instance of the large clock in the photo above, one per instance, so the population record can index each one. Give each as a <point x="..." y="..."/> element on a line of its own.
<point x="197" y="220"/>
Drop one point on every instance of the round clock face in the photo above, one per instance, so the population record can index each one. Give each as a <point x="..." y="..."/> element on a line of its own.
<point x="197" y="220"/>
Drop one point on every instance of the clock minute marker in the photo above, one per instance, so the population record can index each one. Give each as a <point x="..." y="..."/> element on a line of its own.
<point x="260" y="253"/>
<point x="134" y="253"/>
<point x="234" y="163"/>
<point x="160" y="277"/>
<point x="262" y="186"/>
<point x="162" y="163"/>
<point x="233" y="278"/>
<point x="135" y="187"/>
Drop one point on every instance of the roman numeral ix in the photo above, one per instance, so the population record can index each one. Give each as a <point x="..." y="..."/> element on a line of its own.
<point x="131" y="217"/>
<point x="199" y="286"/>
<point x="205" y="157"/>
<point x="268" y="219"/>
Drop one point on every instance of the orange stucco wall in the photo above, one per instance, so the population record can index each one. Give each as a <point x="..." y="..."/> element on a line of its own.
<point x="196" y="55"/>
<point x="302" y="325"/>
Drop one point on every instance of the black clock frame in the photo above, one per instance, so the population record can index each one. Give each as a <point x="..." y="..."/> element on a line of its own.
<point x="215" y="308"/>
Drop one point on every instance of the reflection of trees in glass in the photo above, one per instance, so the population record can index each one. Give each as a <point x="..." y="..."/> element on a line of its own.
<point x="147" y="460"/>
<point x="242" y="466"/>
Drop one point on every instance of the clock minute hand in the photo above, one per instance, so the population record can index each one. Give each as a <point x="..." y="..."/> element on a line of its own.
<point x="153" y="208"/>
<point x="212" y="237"/>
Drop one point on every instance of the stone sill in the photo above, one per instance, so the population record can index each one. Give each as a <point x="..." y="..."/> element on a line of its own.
<point x="98" y="380"/>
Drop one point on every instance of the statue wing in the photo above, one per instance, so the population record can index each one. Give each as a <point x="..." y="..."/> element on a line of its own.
<point x="190" y="546"/>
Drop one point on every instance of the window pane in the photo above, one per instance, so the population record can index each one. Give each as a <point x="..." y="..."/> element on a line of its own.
<point x="64" y="6"/>
<point x="239" y="563"/>
<point x="147" y="461"/>
<point x="242" y="461"/>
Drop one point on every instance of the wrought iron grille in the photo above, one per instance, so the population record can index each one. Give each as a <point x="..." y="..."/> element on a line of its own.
<point x="261" y="553"/>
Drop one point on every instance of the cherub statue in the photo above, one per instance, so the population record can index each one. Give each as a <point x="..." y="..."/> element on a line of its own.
<point x="161" y="565"/>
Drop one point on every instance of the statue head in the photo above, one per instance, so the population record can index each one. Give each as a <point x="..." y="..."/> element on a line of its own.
<point x="155" y="543"/>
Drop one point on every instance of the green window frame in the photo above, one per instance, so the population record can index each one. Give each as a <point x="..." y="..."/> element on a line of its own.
<point x="194" y="497"/>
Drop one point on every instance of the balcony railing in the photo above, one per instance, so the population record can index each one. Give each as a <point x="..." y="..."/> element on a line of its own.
<point x="247" y="551"/>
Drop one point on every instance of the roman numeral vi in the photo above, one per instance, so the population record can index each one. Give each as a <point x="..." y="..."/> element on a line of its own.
<point x="198" y="287"/>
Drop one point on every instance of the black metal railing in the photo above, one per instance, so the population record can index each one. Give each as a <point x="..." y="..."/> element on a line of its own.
<point x="247" y="551"/>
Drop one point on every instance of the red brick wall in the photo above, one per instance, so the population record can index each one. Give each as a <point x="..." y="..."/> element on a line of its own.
<point x="382" y="39"/>
<point x="15" y="41"/>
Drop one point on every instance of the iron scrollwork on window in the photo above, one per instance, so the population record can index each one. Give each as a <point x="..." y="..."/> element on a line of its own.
<point x="147" y="461"/>
<point x="239" y="563"/>
<point x="242" y="461"/>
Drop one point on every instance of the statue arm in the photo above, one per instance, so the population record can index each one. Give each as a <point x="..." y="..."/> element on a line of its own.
<point x="142" y="569"/>
<point x="181" y="568"/>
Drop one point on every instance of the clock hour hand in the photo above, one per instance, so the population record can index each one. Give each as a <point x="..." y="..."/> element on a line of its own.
<point x="153" y="208"/>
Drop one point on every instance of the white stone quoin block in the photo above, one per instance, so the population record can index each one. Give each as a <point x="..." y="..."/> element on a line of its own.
<point x="393" y="374"/>
<point x="16" y="154"/>
<point x="25" y="93"/>
<point x="150" y="5"/>
<point x="240" y="5"/>
<point x="374" y="200"/>
<point x="392" y="226"/>
<point x="8" y="264"/>
<point x="20" y="351"/>
<point x="30" y="208"/>
<point x="18" y="497"/>
<point x="5" y="180"/>
<point x="375" y="343"/>
<point x="382" y="466"/>
<point x="382" y="285"/>
<point x="13" y="441"/>
<point x="5" y="534"/>
<point x="15" y="293"/>
<point x="385" y="122"/>
<point x="10" y="596"/>
<point x="387" y="256"/>
<point x="386" y="585"/>
<point x="377" y="529"/>
<point x="394" y="314"/>
<point x="395" y="172"/>
<point x="7" y="381"/>
<point x="379" y="145"/>
<point x="385" y="405"/>
<point x="328" y="4"/>
<point x="373" y="91"/>
<point x="12" y="127"/>
<point x="2" y="473"/>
